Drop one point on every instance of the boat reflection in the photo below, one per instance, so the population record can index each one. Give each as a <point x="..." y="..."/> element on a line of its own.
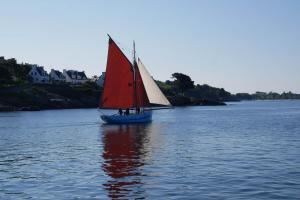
<point x="124" y="154"/>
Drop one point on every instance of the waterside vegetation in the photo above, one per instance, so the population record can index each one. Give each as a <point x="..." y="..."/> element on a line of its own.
<point x="17" y="92"/>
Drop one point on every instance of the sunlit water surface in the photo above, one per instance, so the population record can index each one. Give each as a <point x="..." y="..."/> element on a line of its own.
<point x="247" y="150"/>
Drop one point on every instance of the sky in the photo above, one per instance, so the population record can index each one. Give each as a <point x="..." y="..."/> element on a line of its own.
<point x="238" y="45"/>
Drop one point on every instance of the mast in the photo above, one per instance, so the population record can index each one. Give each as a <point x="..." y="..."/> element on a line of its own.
<point x="134" y="52"/>
<point x="134" y="67"/>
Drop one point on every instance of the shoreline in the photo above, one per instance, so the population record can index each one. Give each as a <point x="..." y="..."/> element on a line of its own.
<point x="9" y="108"/>
<point x="21" y="109"/>
<point x="36" y="108"/>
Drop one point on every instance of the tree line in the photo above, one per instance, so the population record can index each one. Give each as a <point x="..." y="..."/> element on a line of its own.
<point x="180" y="86"/>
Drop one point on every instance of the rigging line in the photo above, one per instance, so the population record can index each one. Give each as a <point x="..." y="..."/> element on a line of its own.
<point x="126" y="51"/>
<point x="100" y="110"/>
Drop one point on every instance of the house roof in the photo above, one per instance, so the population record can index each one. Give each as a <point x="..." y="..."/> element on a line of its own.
<point x="76" y="74"/>
<point x="41" y="71"/>
<point x="59" y="74"/>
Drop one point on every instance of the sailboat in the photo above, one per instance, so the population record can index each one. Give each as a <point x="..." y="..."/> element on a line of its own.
<point x="129" y="86"/>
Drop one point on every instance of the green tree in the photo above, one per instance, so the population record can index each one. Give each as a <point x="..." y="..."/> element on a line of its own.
<point x="182" y="82"/>
<point x="5" y="76"/>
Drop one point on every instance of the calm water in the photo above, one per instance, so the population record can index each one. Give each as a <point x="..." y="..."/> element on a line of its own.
<point x="247" y="150"/>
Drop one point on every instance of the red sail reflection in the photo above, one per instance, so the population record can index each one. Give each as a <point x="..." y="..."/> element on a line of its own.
<point x="124" y="155"/>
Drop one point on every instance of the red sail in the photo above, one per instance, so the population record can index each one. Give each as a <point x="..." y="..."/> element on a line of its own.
<point x="118" y="89"/>
<point x="141" y="95"/>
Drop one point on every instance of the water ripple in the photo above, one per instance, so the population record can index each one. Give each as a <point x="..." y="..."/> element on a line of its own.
<point x="247" y="150"/>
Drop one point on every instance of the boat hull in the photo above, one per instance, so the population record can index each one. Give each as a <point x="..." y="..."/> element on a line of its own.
<point x="145" y="117"/>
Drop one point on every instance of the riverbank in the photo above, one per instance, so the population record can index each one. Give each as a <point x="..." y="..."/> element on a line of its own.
<point x="30" y="97"/>
<point x="41" y="97"/>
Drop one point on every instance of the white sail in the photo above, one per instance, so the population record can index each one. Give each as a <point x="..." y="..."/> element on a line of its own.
<point x="154" y="94"/>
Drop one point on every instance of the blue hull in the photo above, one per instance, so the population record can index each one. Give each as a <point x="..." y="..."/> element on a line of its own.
<point x="128" y="119"/>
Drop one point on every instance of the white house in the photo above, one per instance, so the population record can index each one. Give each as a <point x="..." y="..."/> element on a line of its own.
<point x="75" y="77"/>
<point x="101" y="79"/>
<point x="57" y="76"/>
<point x="38" y="74"/>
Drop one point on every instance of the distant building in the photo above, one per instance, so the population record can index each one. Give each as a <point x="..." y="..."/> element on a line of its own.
<point x="38" y="74"/>
<point x="57" y="76"/>
<point x="75" y="77"/>
<point x="100" y="81"/>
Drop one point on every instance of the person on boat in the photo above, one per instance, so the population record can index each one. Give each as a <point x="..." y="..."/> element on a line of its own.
<point x="127" y="111"/>
<point x="138" y="110"/>
<point x="120" y="111"/>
